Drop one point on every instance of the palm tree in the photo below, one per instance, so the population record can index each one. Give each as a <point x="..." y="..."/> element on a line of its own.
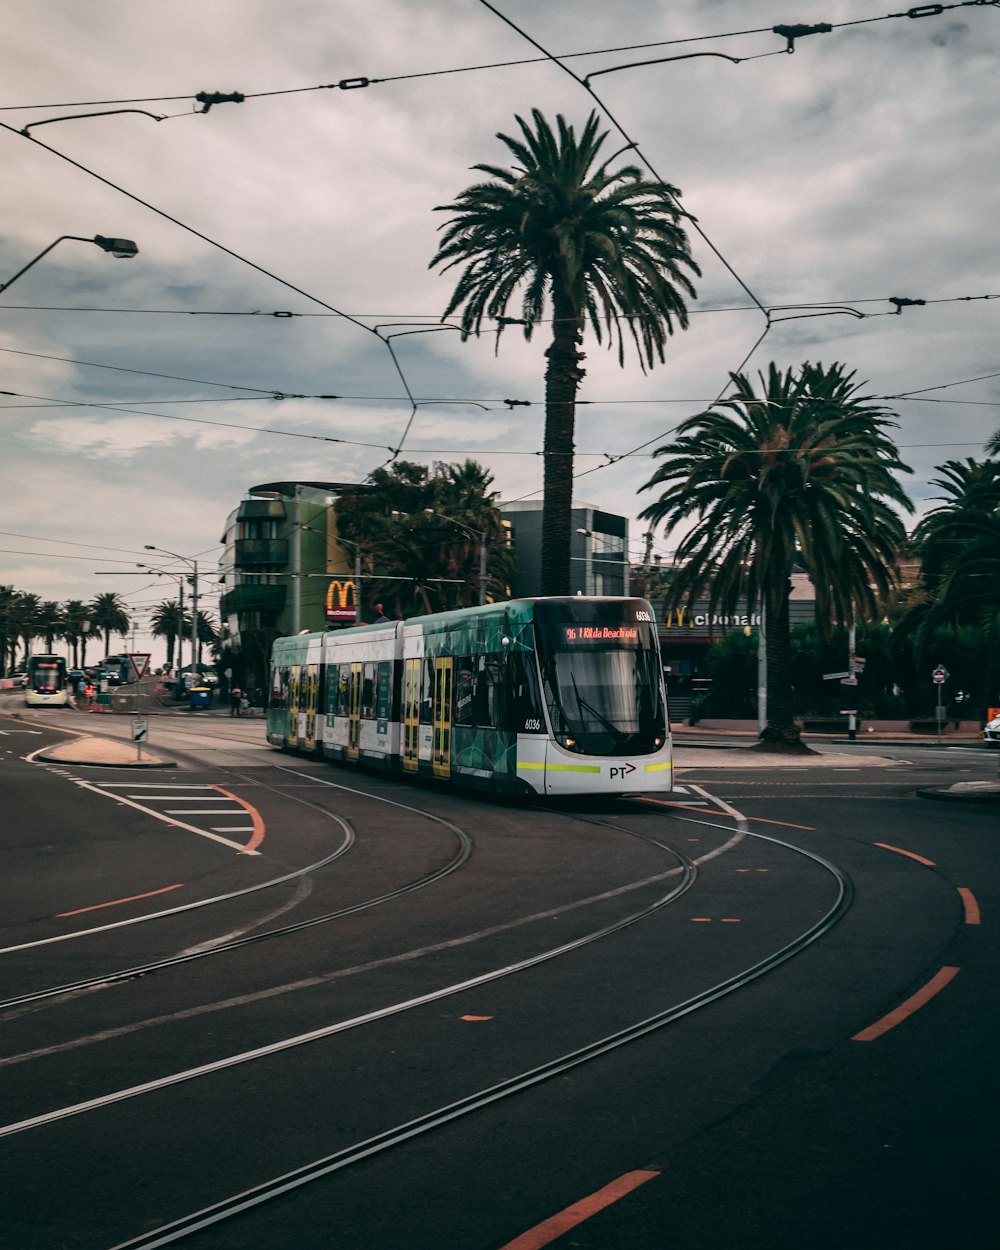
<point x="27" y="610"/>
<point x="801" y="473"/>
<point x="50" y="624"/>
<point x="76" y="617"/>
<point x="164" y="624"/>
<point x="959" y="546"/>
<point x="596" y="246"/>
<point x="108" y="612"/>
<point x="8" y="627"/>
<point x="411" y="527"/>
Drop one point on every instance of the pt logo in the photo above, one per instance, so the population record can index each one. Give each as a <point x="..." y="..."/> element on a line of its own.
<point x="620" y="770"/>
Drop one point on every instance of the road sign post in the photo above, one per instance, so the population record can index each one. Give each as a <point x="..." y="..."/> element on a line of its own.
<point x="939" y="677"/>
<point x="140" y="733"/>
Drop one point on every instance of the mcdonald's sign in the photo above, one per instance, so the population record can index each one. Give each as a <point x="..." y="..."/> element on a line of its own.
<point x="341" y="602"/>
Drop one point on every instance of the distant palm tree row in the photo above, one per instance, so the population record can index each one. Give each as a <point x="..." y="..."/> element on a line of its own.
<point x="26" y="619"/>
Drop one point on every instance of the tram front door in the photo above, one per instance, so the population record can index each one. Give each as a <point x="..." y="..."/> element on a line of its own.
<point x="441" y="755"/>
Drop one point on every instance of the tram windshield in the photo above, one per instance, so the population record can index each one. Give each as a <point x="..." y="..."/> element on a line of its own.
<point x="46" y="676"/>
<point x="601" y="675"/>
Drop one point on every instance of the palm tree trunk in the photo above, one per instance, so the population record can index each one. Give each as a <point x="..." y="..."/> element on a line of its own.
<point x="563" y="376"/>
<point x="781" y="731"/>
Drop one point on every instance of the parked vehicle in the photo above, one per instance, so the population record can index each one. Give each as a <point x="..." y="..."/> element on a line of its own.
<point x="991" y="734"/>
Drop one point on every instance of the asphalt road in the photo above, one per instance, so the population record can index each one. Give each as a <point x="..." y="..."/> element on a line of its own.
<point x="420" y="1008"/>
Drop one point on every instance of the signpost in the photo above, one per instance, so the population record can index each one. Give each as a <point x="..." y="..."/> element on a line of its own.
<point x="140" y="732"/>
<point x="939" y="677"/>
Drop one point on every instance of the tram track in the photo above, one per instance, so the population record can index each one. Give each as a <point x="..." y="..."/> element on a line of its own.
<point x="246" y="1200"/>
<point x="447" y="1112"/>
<point x="461" y="856"/>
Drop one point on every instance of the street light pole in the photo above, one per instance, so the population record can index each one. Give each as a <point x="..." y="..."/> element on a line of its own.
<point x="124" y="249"/>
<point x="195" y="633"/>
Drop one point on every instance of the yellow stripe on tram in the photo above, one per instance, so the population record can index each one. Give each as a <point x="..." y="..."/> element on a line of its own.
<point x="656" y="768"/>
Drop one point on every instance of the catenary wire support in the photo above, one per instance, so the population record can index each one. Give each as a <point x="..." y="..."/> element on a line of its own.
<point x="901" y="302"/>
<point x="207" y="98"/>
<point x="72" y="117"/>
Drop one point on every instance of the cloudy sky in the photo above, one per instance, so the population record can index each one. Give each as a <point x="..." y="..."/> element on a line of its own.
<point x="142" y="397"/>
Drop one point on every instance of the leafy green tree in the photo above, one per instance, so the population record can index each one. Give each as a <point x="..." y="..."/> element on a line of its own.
<point x="108" y="613"/>
<point x="598" y="247"/>
<point x="802" y="472"/>
<point x="411" y="527"/>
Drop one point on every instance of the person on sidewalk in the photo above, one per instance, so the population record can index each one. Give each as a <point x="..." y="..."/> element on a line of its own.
<point x="235" y="695"/>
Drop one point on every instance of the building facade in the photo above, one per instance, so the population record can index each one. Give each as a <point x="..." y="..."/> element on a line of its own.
<point x="281" y="561"/>
<point x="598" y="549"/>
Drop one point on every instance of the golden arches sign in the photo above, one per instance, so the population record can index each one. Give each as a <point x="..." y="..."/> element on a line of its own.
<point x="341" y="601"/>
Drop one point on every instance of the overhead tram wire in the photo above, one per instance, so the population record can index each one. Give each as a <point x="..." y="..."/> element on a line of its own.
<point x="209" y="99"/>
<point x="222" y="248"/>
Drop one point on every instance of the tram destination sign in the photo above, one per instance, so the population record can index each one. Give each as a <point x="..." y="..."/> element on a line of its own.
<point x="601" y="633"/>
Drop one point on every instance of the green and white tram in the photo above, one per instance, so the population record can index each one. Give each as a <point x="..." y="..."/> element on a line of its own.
<point x="532" y="696"/>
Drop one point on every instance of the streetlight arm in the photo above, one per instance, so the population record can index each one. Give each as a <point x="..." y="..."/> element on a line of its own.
<point x="122" y="248"/>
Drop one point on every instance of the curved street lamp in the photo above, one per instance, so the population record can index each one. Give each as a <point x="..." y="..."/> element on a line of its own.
<point x="195" y="635"/>
<point x="124" y="249"/>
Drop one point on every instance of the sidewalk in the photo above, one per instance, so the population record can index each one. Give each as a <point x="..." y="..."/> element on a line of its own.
<point x="90" y="750"/>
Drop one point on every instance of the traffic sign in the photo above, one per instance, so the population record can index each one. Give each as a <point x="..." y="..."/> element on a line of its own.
<point x="848" y="681"/>
<point x="939" y="676"/>
<point x="139" y="663"/>
<point x="140" y="728"/>
<point x="834" y="676"/>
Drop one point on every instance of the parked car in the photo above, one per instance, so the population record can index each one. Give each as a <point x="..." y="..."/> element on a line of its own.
<point x="20" y="677"/>
<point x="991" y="734"/>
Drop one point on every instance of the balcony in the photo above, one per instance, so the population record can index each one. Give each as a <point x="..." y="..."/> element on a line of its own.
<point x="253" y="599"/>
<point x="255" y="553"/>
<point x="261" y="510"/>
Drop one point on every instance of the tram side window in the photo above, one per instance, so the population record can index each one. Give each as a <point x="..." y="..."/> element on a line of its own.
<point x="489" y="680"/>
<point x="465" y="690"/>
<point x="368" y="690"/>
<point x="427" y="692"/>
<point x="279" y="688"/>
<point x="383" y="699"/>
<point x="343" y="690"/>
<point x="524" y="703"/>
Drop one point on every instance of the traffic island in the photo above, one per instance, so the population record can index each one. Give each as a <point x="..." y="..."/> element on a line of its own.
<point x="102" y="752"/>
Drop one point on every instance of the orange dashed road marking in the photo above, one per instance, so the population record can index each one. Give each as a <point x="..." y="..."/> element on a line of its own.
<point x="475" y="1017"/>
<point x="117" y="902"/>
<point x="545" y="1233"/>
<point x="934" y="986"/>
<point x="909" y="854"/>
<point x="257" y="837"/>
<point x="970" y="905"/>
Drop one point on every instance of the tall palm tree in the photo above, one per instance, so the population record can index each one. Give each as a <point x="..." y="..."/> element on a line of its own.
<point x="596" y="246"/>
<point x="76" y="620"/>
<point x="8" y="628"/>
<point x="109" y="614"/>
<point x="959" y="547"/>
<point x="50" y="624"/>
<point x="164" y="624"/>
<point x="802" y="472"/>
<point x="27" y="615"/>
